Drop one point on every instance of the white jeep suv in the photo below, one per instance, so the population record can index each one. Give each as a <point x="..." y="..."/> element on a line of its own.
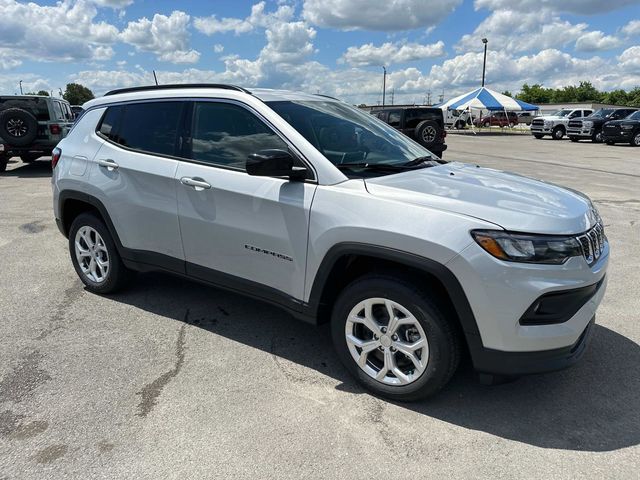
<point x="308" y="203"/>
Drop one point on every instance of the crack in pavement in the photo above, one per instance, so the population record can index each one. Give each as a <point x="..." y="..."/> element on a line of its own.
<point x="152" y="391"/>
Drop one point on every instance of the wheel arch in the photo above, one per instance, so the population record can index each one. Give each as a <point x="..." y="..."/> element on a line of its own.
<point x="73" y="203"/>
<point x="345" y="262"/>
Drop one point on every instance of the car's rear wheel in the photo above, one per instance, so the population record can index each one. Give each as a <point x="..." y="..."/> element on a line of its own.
<point x="573" y="139"/>
<point x="635" y="141"/>
<point x="597" y="137"/>
<point x="428" y="132"/>
<point x="18" y="127"/>
<point x="394" y="338"/>
<point x="95" y="256"/>
<point x="609" y="142"/>
<point x="557" y="133"/>
<point x="4" y="160"/>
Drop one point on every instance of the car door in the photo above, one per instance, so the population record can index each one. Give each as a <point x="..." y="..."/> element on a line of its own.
<point x="238" y="229"/>
<point x="133" y="176"/>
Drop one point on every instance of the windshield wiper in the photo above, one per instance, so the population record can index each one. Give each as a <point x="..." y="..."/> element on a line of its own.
<point x="420" y="160"/>
<point x="370" y="166"/>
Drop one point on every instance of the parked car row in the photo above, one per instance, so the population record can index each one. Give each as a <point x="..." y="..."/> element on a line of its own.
<point x="610" y="125"/>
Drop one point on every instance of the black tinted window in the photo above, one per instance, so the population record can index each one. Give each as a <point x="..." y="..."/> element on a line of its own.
<point x="394" y="119"/>
<point x="108" y="126"/>
<point x="150" y="127"/>
<point x="225" y="134"/>
<point x="35" y="106"/>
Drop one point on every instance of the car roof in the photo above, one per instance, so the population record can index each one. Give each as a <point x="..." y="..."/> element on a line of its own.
<point x="150" y="92"/>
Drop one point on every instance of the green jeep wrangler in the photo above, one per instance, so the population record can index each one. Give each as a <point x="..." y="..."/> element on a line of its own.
<point x="31" y="126"/>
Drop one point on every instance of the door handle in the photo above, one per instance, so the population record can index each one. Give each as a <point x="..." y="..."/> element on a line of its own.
<point x="109" y="164"/>
<point x="196" y="182"/>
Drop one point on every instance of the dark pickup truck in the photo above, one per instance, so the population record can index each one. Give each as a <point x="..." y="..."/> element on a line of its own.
<point x="590" y="128"/>
<point x="423" y="124"/>
<point x="626" y="130"/>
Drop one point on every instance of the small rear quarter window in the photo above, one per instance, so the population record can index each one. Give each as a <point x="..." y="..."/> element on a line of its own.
<point x="108" y="125"/>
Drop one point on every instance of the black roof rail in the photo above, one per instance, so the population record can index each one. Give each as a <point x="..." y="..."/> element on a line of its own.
<point x="146" y="88"/>
<point x="327" y="96"/>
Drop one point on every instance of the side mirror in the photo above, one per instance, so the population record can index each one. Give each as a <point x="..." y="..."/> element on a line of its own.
<point x="274" y="163"/>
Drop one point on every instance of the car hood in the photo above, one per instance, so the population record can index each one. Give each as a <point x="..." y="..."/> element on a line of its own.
<point x="512" y="201"/>
<point x="551" y="117"/>
<point x="623" y="121"/>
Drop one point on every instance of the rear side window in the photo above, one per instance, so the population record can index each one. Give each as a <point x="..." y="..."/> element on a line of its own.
<point x="150" y="127"/>
<point x="110" y="121"/>
<point x="225" y="135"/>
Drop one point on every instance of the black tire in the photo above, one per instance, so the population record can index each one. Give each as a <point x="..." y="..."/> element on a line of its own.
<point x="4" y="160"/>
<point x="609" y="142"/>
<point x="573" y="139"/>
<point x="460" y="124"/>
<point x="18" y="127"/>
<point x="118" y="276"/>
<point x="635" y="141"/>
<point x="538" y="136"/>
<point x="427" y="133"/>
<point x="557" y="133"/>
<point x="30" y="157"/>
<point x="597" y="137"/>
<point x="443" y="339"/>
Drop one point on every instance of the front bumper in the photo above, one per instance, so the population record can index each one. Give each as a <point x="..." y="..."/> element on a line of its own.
<point x="580" y="132"/>
<point x="541" y="130"/>
<point x="486" y="360"/>
<point x="620" y="137"/>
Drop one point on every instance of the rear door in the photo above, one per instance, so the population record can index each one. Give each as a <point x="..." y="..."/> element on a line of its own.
<point x="133" y="174"/>
<point x="239" y="229"/>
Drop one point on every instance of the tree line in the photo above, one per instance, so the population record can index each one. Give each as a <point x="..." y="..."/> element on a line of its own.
<point x="584" y="92"/>
<point x="74" y="93"/>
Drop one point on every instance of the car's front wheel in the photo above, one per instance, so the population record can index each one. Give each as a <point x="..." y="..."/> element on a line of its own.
<point x="635" y="141"/>
<point x="558" y="133"/>
<point x="394" y="338"/>
<point x="94" y="255"/>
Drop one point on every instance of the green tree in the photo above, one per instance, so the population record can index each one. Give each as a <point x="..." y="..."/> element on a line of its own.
<point x="535" y="94"/>
<point x="77" y="94"/>
<point x="40" y="92"/>
<point x="507" y="93"/>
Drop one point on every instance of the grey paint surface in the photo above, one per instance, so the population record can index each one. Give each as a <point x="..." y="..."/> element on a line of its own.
<point x="176" y="380"/>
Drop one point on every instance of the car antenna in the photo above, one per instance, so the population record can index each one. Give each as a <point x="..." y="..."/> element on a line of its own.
<point x="154" y="76"/>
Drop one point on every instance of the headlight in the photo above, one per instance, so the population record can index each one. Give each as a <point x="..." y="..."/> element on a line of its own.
<point x="519" y="247"/>
<point x="587" y="123"/>
<point x="548" y="123"/>
<point x="626" y="127"/>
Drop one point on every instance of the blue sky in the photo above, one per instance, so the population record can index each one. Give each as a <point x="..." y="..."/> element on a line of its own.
<point x="335" y="47"/>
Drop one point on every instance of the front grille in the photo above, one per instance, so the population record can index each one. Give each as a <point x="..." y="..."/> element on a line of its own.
<point x="575" y="123"/>
<point x="537" y="122"/>
<point x="611" y="128"/>
<point x="593" y="242"/>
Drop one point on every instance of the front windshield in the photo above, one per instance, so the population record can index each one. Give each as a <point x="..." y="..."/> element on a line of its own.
<point x="561" y="113"/>
<point x="347" y="135"/>
<point x="602" y="113"/>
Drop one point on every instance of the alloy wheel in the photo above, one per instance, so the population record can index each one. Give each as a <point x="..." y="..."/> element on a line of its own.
<point x="636" y="140"/>
<point x="91" y="254"/>
<point x="429" y="134"/>
<point x="16" y="127"/>
<point x="386" y="341"/>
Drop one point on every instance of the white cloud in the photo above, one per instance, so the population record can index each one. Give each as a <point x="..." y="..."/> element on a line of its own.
<point x="630" y="60"/>
<point x="166" y="37"/>
<point x="632" y="29"/>
<point x="288" y="43"/>
<point x="218" y="48"/>
<point x="62" y="32"/>
<point x="517" y="31"/>
<point x="113" y="3"/>
<point x="258" y="18"/>
<point x="596" y="41"/>
<point x="382" y="15"/>
<point x="391" y="53"/>
<point x="569" y="6"/>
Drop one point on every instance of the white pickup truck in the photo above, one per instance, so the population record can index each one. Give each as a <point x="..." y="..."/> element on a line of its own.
<point x="556" y="123"/>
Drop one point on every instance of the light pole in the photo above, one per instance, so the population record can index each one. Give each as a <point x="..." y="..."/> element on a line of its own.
<point x="20" y="87"/>
<point x="484" y="63"/>
<point x="384" y="83"/>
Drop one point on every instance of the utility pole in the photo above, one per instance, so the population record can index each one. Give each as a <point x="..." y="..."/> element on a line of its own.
<point x="384" y="83"/>
<point x="428" y="98"/>
<point x="484" y="62"/>
<point x="393" y="94"/>
<point x="21" y="87"/>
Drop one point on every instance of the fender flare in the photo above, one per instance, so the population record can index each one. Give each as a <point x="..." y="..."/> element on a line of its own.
<point x="436" y="269"/>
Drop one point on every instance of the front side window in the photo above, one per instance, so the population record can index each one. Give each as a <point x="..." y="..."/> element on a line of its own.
<point x="151" y="127"/>
<point x="225" y="134"/>
<point x="344" y="134"/>
<point x="394" y="119"/>
<point x="634" y="116"/>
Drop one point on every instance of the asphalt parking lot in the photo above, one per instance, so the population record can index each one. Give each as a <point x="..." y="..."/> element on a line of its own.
<point x="172" y="379"/>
